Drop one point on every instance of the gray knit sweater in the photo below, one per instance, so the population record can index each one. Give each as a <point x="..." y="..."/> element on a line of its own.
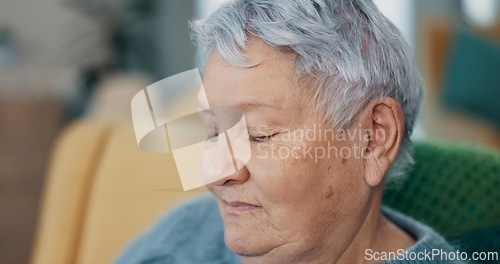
<point x="193" y="234"/>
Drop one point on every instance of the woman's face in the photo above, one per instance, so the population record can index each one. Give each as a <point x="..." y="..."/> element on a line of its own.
<point x="303" y="189"/>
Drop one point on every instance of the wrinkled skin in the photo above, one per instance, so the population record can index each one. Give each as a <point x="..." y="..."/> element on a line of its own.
<point x="284" y="208"/>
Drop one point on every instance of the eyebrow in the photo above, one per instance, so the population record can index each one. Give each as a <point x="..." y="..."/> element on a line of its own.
<point x="250" y="105"/>
<point x="244" y="105"/>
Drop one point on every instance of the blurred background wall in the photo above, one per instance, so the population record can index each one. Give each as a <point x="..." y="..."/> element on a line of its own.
<point x="61" y="60"/>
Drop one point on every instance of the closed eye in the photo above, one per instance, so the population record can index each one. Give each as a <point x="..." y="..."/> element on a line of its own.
<point x="261" y="139"/>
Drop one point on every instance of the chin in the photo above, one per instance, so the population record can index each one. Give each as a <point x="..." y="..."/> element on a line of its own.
<point x="245" y="241"/>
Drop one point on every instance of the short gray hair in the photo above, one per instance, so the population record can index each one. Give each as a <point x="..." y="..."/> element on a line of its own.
<point x="355" y="53"/>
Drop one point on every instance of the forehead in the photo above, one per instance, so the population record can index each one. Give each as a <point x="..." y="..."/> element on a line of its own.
<point x="270" y="82"/>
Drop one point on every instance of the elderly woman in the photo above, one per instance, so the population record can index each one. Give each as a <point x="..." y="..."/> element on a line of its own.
<point x="330" y="94"/>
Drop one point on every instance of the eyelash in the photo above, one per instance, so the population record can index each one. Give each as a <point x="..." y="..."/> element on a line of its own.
<point x="261" y="139"/>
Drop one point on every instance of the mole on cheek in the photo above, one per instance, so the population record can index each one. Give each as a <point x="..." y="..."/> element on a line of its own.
<point x="329" y="192"/>
<point x="344" y="161"/>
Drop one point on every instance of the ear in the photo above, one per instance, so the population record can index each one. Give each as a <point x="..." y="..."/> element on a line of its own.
<point x="386" y="130"/>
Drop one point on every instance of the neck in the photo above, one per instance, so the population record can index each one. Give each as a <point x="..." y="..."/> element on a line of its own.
<point x="377" y="233"/>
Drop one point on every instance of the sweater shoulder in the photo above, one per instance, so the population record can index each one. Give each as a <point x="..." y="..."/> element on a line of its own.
<point x="190" y="233"/>
<point x="430" y="247"/>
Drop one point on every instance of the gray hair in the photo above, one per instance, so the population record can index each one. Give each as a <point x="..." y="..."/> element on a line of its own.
<point x="355" y="54"/>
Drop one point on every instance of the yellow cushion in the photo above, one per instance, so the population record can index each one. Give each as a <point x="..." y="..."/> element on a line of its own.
<point x="102" y="192"/>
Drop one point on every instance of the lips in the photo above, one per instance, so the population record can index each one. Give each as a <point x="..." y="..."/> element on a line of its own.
<point x="238" y="206"/>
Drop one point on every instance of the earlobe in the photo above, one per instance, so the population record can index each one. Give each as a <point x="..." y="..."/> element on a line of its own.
<point x="376" y="165"/>
<point x="387" y="127"/>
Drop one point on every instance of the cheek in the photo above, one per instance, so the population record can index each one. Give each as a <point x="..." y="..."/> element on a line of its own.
<point x="291" y="186"/>
<point x="302" y="196"/>
<point x="280" y="171"/>
<point x="287" y="171"/>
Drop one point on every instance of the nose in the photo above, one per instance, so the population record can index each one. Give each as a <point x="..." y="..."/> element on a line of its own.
<point x="221" y="162"/>
<point x="227" y="156"/>
<point x="239" y="177"/>
<point x="225" y="161"/>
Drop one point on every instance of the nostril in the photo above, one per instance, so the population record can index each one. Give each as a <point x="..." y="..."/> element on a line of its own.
<point x="230" y="182"/>
<point x="239" y="177"/>
<point x="226" y="181"/>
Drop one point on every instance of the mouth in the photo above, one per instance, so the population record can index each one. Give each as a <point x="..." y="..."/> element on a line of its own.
<point x="240" y="207"/>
